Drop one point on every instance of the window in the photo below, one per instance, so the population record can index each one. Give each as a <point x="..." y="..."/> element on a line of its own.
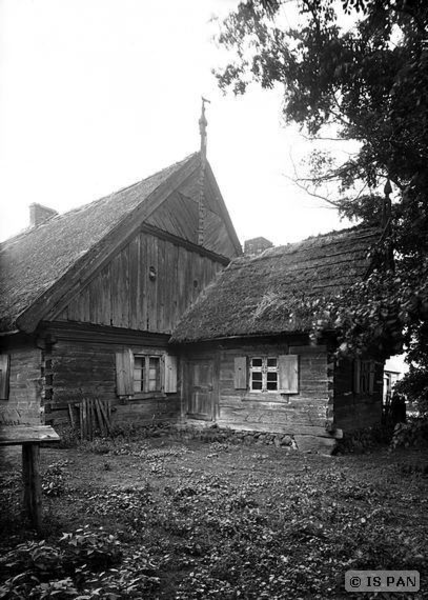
<point x="154" y="374"/>
<point x="267" y="373"/>
<point x="264" y="374"/>
<point x="147" y="374"/>
<point x="364" y="377"/>
<point x="139" y="369"/>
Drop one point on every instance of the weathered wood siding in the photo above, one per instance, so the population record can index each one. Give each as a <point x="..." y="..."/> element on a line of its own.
<point x="87" y="369"/>
<point x="25" y="383"/>
<point x="179" y="215"/>
<point x="304" y="413"/>
<point x="147" y="286"/>
<point x="354" y="411"/>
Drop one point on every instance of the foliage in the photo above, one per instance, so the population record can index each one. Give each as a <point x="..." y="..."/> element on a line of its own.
<point x="226" y="521"/>
<point x="69" y="436"/>
<point x="365" y="440"/>
<point x="54" y="480"/>
<point x="365" y="82"/>
<point x="35" y="568"/>
<point x="414" y="386"/>
<point x="98" y="549"/>
<point x="412" y="433"/>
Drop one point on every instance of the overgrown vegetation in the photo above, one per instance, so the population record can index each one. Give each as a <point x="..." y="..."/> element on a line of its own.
<point x="361" y="79"/>
<point x="203" y="515"/>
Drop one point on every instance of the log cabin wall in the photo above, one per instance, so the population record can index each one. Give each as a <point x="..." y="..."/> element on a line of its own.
<point x="302" y="414"/>
<point x="358" y="405"/>
<point x="22" y="404"/>
<point x="85" y="367"/>
<point x="147" y="286"/>
<point x="295" y="413"/>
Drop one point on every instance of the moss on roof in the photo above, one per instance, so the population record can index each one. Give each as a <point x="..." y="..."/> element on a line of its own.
<point x="274" y="292"/>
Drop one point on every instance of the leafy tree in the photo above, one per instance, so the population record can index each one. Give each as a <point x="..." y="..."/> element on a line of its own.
<point x="369" y="82"/>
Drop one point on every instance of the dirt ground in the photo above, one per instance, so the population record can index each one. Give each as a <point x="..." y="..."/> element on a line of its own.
<point x="226" y="519"/>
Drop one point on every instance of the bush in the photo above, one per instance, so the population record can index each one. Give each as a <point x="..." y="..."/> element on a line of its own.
<point x="365" y="440"/>
<point x="412" y="433"/>
<point x="414" y="386"/>
<point x="69" y="436"/>
<point x="53" y="479"/>
<point x="98" y="549"/>
<point x="40" y="570"/>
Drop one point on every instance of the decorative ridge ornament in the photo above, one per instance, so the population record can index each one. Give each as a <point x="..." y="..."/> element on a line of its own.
<point x="201" y="204"/>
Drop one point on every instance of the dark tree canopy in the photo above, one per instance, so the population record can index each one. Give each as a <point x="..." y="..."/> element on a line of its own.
<point x="369" y="81"/>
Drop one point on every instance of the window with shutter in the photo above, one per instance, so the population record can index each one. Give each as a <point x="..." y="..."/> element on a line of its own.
<point x="267" y="375"/>
<point x="139" y="373"/>
<point x="4" y="376"/>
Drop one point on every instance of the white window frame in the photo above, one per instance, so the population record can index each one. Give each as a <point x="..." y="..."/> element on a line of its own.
<point x="264" y="369"/>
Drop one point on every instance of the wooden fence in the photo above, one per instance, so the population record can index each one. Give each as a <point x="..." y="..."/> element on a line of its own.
<point x="89" y="416"/>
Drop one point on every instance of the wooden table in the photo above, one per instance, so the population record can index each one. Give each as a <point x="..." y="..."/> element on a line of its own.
<point x="30" y="437"/>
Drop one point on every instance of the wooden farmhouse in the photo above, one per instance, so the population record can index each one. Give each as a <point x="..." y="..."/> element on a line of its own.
<point x="246" y="350"/>
<point x="90" y="298"/>
<point x="141" y="304"/>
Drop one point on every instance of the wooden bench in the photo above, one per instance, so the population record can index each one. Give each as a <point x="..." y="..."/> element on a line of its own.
<point x="30" y="437"/>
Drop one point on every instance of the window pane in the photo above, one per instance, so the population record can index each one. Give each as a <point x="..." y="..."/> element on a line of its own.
<point x="272" y="381"/>
<point x="257" y="379"/>
<point x="272" y="362"/>
<point x="154" y="374"/>
<point x="139" y="364"/>
<point x="256" y="362"/>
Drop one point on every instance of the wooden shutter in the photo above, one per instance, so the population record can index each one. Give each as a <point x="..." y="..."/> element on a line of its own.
<point x="170" y="374"/>
<point x="240" y="378"/>
<point x="288" y="373"/>
<point x="125" y="373"/>
<point x="357" y="376"/>
<point x="4" y="376"/>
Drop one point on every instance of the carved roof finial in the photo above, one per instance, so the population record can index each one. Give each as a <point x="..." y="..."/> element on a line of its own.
<point x="203" y="131"/>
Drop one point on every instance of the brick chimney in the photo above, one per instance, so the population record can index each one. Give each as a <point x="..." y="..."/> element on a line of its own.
<point x="40" y="214"/>
<point x="256" y="246"/>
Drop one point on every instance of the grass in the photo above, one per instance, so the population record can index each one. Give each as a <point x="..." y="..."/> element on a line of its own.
<point x="217" y="518"/>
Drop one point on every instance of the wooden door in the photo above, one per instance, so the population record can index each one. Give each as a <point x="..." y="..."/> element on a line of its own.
<point x="200" y="397"/>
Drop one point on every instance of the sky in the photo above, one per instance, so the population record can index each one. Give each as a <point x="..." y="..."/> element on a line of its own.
<point x="96" y="95"/>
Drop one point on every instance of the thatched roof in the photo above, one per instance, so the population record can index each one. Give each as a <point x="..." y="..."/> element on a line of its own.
<point x="274" y="292"/>
<point x="34" y="261"/>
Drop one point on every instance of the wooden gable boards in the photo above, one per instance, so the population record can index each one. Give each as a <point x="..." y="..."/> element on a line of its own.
<point x="55" y="299"/>
<point x="179" y="215"/>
